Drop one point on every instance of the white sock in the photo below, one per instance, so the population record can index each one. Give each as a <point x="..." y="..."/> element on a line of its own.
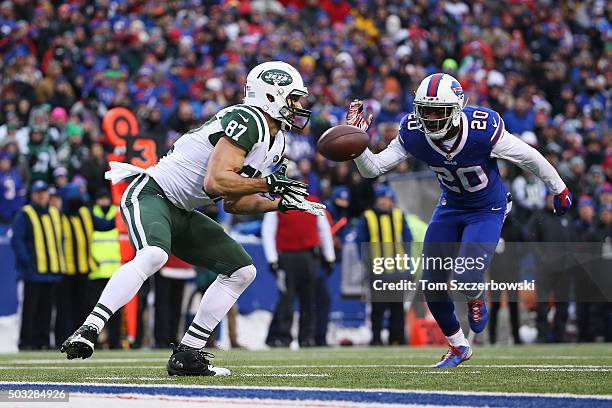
<point x="458" y="339"/>
<point x="125" y="283"/>
<point x="216" y="302"/>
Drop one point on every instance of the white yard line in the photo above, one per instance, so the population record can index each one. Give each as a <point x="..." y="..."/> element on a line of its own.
<point x="411" y="355"/>
<point x="70" y="367"/>
<point x="599" y="370"/>
<point x="164" y="378"/>
<point x="285" y="375"/>
<point x="437" y="372"/>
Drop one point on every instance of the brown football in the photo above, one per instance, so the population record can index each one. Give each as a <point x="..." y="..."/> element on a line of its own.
<point x="343" y="142"/>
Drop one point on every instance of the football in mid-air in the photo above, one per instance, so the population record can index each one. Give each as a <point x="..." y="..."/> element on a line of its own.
<point x="342" y="143"/>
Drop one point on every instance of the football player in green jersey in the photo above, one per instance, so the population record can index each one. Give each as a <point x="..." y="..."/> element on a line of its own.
<point x="231" y="157"/>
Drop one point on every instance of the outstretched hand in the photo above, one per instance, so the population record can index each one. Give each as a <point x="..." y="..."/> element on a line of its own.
<point x="357" y="116"/>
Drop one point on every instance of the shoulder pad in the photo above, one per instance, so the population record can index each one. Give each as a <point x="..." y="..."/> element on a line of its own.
<point x="485" y="122"/>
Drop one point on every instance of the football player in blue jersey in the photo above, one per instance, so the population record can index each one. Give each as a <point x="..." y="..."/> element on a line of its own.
<point x="460" y="144"/>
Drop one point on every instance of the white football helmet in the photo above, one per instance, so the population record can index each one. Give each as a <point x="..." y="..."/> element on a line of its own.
<point x="275" y="87"/>
<point x="438" y="103"/>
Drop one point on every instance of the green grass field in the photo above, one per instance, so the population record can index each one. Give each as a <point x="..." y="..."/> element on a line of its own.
<point x="575" y="369"/>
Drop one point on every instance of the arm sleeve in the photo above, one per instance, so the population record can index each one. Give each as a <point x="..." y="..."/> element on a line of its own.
<point x="371" y="165"/>
<point x="327" y="242"/>
<point x="511" y="148"/>
<point x="268" y="236"/>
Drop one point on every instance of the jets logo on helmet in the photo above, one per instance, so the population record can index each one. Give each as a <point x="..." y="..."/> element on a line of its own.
<point x="277" y="88"/>
<point x="438" y="103"/>
<point x="276" y="76"/>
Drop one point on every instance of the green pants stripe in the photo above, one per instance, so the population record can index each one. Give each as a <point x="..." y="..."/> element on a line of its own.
<point x="131" y="211"/>
<point x="125" y="212"/>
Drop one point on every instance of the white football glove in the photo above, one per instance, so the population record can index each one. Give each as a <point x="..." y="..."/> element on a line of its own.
<point x="299" y="203"/>
<point x="357" y="116"/>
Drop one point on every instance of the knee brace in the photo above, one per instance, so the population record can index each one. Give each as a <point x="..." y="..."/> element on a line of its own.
<point x="149" y="260"/>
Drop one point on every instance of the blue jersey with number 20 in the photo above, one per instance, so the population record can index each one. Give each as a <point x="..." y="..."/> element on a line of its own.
<point x="468" y="175"/>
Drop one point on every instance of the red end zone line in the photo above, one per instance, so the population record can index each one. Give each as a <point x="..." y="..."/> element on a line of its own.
<point x="229" y="401"/>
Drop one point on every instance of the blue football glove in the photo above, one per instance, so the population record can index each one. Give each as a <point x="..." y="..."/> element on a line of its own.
<point x="562" y="202"/>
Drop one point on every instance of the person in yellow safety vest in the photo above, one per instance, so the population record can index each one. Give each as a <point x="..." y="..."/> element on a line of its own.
<point x="385" y="229"/>
<point x="79" y="224"/>
<point x="107" y="256"/>
<point x="37" y="244"/>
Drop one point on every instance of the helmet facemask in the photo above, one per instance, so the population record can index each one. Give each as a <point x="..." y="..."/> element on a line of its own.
<point x="292" y="115"/>
<point x="437" y="118"/>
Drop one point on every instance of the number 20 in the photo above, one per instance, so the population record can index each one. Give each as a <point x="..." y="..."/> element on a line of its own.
<point x="447" y="178"/>
<point x="479" y="120"/>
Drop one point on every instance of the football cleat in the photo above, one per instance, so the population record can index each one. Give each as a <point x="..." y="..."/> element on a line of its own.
<point x="478" y="315"/>
<point x="81" y="343"/>
<point x="187" y="360"/>
<point x="454" y="356"/>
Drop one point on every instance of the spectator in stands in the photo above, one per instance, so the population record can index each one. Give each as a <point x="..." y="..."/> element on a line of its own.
<point x="385" y="224"/>
<point x="521" y="118"/>
<point x="528" y="195"/>
<point x="42" y="157"/>
<point x="94" y="168"/>
<point x="586" y="216"/>
<point x="60" y="178"/>
<point x="12" y="191"/>
<point x="37" y="244"/>
<point x="295" y="244"/>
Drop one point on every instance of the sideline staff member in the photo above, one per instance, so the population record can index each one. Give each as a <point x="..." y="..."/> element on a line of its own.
<point x="37" y="244"/>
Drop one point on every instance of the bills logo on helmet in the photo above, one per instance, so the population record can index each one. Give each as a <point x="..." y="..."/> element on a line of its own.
<point x="456" y="88"/>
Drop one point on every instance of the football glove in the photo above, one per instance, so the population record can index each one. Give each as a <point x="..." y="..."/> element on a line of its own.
<point x="562" y="202"/>
<point x="357" y="116"/>
<point x="299" y="203"/>
<point x="279" y="183"/>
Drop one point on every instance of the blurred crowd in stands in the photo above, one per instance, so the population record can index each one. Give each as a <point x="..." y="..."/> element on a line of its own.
<point x="543" y="64"/>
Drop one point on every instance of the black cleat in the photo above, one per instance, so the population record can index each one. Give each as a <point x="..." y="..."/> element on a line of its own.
<point x="186" y="360"/>
<point x="81" y="343"/>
